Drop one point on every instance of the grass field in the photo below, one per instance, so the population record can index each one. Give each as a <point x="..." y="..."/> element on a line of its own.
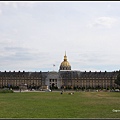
<point x="55" y="105"/>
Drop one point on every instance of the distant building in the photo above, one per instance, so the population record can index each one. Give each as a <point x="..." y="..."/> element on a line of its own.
<point x="65" y="78"/>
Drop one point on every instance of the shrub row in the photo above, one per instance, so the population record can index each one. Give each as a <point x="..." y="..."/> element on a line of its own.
<point x="6" y="91"/>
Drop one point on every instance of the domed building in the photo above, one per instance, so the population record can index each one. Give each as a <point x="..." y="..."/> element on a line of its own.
<point x="65" y="78"/>
<point x="65" y="65"/>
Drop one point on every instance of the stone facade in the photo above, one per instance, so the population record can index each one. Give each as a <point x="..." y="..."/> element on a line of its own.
<point x="90" y="79"/>
<point x="16" y="79"/>
<point x="53" y="79"/>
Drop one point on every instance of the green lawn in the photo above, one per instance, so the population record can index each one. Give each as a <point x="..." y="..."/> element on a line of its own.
<point x="55" y="105"/>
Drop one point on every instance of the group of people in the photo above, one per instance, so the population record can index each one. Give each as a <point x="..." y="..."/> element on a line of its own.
<point x="70" y="93"/>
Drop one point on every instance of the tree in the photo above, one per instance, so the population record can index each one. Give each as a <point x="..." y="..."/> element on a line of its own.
<point x="117" y="81"/>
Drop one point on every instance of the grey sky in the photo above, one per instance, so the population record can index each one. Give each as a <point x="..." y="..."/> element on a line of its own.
<point x="35" y="35"/>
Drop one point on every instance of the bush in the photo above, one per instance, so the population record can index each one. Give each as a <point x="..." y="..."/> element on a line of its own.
<point x="6" y="91"/>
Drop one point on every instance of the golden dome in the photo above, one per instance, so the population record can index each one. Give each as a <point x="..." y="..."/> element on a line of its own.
<point x="65" y="65"/>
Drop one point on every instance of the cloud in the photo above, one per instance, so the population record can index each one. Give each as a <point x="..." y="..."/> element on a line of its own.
<point x="94" y="61"/>
<point x="5" y="41"/>
<point x="0" y="12"/>
<point x="18" y="53"/>
<point x="107" y="22"/>
<point x="15" y="5"/>
<point x="18" y="3"/>
<point x="108" y="6"/>
<point x="19" y="58"/>
<point x="6" y="3"/>
<point x="9" y="3"/>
